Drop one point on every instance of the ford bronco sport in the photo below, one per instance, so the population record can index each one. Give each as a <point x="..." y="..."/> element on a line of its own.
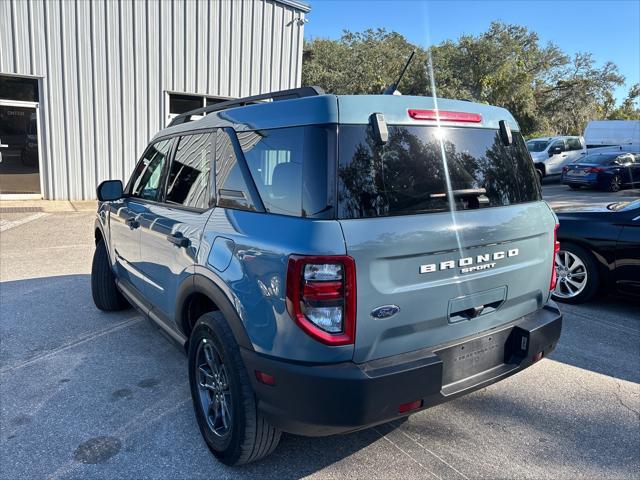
<point x="330" y="262"/>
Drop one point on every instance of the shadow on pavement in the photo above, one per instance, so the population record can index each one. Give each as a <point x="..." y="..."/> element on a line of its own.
<point x="109" y="386"/>
<point x="602" y="336"/>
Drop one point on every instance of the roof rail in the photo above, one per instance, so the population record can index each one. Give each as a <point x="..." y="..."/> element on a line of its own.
<point x="240" y="102"/>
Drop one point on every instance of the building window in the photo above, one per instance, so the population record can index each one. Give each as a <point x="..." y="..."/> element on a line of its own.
<point x="18" y="88"/>
<point x="184" y="102"/>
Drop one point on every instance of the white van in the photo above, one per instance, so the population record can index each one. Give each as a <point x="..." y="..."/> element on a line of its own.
<point x="606" y="133"/>
<point x="550" y="154"/>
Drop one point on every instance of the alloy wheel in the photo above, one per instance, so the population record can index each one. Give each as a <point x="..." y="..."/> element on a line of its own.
<point x="572" y="275"/>
<point x="616" y="184"/>
<point x="213" y="386"/>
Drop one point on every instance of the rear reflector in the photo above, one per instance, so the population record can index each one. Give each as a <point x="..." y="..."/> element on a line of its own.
<point x="538" y="356"/>
<point x="265" y="378"/>
<point x="407" y="407"/>
<point x="445" y="115"/>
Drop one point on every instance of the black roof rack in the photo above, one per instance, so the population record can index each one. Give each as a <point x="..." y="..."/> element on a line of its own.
<point x="240" y="102"/>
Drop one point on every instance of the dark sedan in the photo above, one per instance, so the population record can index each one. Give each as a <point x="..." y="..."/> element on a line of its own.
<point x="610" y="171"/>
<point x="599" y="251"/>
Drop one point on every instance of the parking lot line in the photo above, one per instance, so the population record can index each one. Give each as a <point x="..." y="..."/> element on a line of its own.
<point x="9" y="224"/>
<point x="73" y="343"/>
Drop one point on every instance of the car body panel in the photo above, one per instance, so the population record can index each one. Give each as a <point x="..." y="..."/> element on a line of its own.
<point x="613" y="238"/>
<point x="389" y="253"/>
<point x="255" y="278"/>
<point x="165" y="265"/>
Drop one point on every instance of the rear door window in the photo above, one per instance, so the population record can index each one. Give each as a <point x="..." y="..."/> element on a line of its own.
<point x="190" y="174"/>
<point x="429" y="169"/>
<point x="231" y="185"/>
<point x="574" y="144"/>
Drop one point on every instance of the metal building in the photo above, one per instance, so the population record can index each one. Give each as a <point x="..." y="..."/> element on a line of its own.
<point x="84" y="85"/>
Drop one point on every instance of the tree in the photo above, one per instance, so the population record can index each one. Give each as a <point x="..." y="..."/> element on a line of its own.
<point x="628" y="110"/>
<point x="363" y="62"/>
<point x="545" y="89"/>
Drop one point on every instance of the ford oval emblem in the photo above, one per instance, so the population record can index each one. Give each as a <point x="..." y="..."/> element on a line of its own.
<point x="385" y="311"/>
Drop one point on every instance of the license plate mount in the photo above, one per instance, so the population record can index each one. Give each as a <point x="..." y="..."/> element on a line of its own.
<point x="475" y="356"/>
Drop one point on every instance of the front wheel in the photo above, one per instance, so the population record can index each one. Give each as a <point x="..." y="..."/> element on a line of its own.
<point x="104" y="290"/>
<point x="577" y="274"/>
<point x="223" y="399"/>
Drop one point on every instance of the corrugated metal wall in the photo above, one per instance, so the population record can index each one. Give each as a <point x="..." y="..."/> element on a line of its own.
<point x="105" y="66"/>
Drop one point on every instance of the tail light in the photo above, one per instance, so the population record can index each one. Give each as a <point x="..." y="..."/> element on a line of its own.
<point x="594" y="170"/>
<point x="556" y="249"/>
<point x="321" y="297"/>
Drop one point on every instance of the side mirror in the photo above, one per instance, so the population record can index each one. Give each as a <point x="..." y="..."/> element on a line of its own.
<point x="554" y="151"/>
<point x="110" y="190"/>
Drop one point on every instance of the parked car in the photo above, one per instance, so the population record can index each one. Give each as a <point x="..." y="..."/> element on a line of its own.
<point x="551" y="154"/>
<point x="599" y="251"/>
<point x="332" y="262"/>
<point x="610" y="171"/>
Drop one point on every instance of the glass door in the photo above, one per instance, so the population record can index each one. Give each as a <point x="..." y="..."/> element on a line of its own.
<point x="19" y="165"/>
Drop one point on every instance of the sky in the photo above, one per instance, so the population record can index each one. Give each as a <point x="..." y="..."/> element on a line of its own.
<point x="610" y="30"/>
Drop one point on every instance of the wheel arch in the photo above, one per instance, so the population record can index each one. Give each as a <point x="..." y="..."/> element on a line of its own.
<point x="199" y="295"/>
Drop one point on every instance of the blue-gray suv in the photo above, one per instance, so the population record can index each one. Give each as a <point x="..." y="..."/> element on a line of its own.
<point x="329" y="262"/>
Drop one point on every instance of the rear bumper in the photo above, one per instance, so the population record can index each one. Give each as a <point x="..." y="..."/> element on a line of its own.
<point x="591" y="180"/>
<point x="317" y="400"/>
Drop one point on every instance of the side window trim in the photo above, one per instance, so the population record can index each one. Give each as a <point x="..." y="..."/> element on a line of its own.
<point x="244" y="168"/>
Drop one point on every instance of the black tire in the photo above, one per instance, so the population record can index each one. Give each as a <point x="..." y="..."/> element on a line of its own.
<point x="615" y="184"/>
<point x="593" y="275"/>
<point x="573" y="186"/>
<point x="250" y="437"/>
<point x="106" y="295"/>
<point x="540" y="175"/>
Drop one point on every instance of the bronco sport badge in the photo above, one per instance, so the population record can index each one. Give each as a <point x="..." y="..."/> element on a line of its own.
<point x="471" y="264"/>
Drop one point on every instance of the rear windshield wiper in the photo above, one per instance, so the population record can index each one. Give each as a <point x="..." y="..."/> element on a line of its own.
<point x="464" y="192"/>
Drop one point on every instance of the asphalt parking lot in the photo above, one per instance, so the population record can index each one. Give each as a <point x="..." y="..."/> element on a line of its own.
<point x="558" y="195"/>
<point x="85" y="394"/>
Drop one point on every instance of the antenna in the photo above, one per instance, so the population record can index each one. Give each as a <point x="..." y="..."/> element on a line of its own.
<point x="392" y="88"/>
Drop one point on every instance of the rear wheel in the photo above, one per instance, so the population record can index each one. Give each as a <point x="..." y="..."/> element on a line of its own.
<point x="577" y="274"/>
<point x="106" y="295"/>
<point x="223" y="400"/>
<point x="615" y="184"/>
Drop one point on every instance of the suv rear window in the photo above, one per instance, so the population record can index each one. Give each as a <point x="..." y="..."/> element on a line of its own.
<point x="409" y="174"/>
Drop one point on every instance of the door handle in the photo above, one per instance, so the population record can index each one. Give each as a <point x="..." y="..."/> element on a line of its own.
<point x="179" y="240"/>
<point x="132" y="222"/>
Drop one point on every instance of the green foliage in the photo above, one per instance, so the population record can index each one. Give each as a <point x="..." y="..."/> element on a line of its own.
<point x="547" y="91"/>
